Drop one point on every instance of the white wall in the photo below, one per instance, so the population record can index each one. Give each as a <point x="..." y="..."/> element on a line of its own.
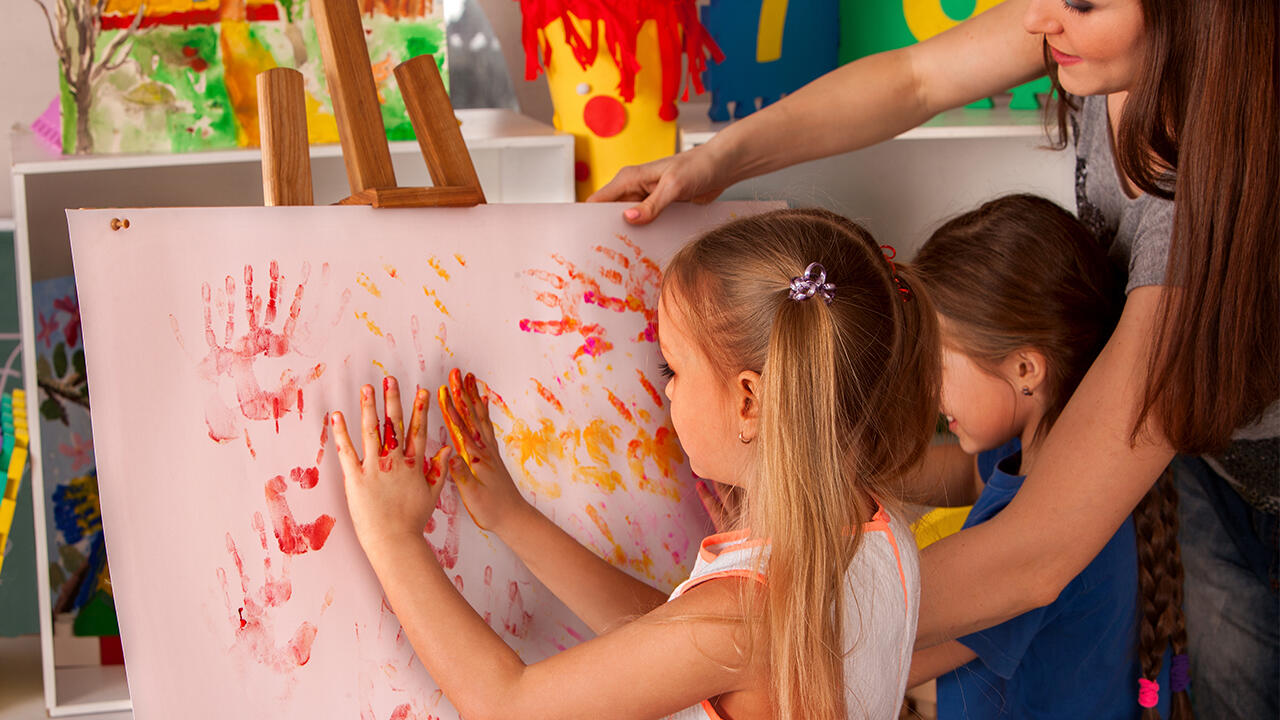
<point x="28" y="79"/>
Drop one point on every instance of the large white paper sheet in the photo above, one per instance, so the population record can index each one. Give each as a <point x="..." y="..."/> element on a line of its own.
<point x="218" y="339"/>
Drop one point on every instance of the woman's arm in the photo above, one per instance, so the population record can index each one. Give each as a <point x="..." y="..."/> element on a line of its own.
<point x="1087" y="479"/>
<point x="859" y="104"/>
<point x="948" y="477"/>
<point x="932" y="662"/>
<point x="675" y="657"/>
<point x="601" y="595"/>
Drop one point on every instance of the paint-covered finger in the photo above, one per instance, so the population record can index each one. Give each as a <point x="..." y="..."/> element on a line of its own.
<point x="479" y="402"/>
<point x="393" y="415"/>
<point x="462" y="476"/>
<point x="453" y="423"/>
<point x="346" y="451"/>
<point x="460" y="402"/>
<point x="469" y="410"/>
<point x="370" y="430"/>
<point x="415" y="438"/>
<point x="436" y="468"/>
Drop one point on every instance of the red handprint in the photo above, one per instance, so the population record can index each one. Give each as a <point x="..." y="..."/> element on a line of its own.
<point x="252" y="620"/>
<point x="254" y="628"/>
<point x="236" y="358"/>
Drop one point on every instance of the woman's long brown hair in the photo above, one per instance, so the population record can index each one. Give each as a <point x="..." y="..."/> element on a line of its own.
<point x="1205" y="106"/>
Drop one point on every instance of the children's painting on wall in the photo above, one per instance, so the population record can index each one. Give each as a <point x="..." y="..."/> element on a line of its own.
<point x="216" y="346"/>
<point x="180" y="75"/>
<point x="79" y="582"/>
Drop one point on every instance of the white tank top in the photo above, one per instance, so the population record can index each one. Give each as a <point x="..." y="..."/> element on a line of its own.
<point x="882" y="593"/>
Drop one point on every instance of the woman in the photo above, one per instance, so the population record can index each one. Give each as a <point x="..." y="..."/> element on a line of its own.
<point x="1166" y="91"/>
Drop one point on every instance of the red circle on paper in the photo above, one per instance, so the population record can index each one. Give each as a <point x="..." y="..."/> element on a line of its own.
<point x="605" y="116"/>
<point x="581" y="171"/>
<point x="188" y="51"/>
<point x="199" y="65"/>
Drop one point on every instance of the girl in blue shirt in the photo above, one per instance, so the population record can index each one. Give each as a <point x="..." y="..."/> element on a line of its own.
<point x="1026" y="299"/>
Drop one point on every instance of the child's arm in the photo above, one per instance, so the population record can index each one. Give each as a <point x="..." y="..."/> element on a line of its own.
<point x="597" y="592"/>
<point x="933" y="662"/>
<point x="948" y="477"/>
<point x="673" y="658"/>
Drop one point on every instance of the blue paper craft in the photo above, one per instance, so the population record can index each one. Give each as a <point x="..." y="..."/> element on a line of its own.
<point x="771" y="48"/>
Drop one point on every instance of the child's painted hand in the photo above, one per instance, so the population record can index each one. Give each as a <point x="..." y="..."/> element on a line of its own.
<point x="392" y="492"/>
<point x="488" y="492"/>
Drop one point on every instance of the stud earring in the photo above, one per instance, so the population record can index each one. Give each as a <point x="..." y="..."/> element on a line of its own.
<point x="743" y="440"/>
<point x="1026" y="391"/>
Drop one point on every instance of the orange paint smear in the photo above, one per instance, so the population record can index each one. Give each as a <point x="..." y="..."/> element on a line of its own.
<point x="442" y="335"/>
<point x="383" y="368"/>
<point x="496" y="400"/>
<point x="461" y="260"/>
<point x="598" y="439"/>
<point x="618" y="556"/>
<point x="543" y="446"/>
<point x="548" y="396"/>
<point x="373" y="327"/>
<point x="434" y="262"/>
<point x="436" y="299"/>
<point x="363" y="281"/>
<point x="391" y="271"/>
<point x="662" y="450"/>
<point x="620" y="407"/>
<point x="649" y="388"/>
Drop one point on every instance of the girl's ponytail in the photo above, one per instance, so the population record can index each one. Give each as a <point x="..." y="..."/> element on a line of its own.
<point x="804" y="509"/>
<point x="1162" y="624"/>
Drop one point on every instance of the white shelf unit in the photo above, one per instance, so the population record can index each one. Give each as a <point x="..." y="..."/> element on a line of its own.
<point x="904" y="188"/>
<point x="517" y="159"/>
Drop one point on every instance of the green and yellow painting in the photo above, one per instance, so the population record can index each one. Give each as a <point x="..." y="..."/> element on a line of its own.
<point x="180" y="75"/>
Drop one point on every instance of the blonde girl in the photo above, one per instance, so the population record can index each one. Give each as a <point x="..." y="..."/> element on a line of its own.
<point x="801" y="368"/>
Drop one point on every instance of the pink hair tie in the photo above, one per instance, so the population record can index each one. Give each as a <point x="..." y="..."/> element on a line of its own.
<point x="1148" y="692"/>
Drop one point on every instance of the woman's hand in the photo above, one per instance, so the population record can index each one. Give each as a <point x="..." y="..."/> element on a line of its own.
<point x="695" y="175"/>
<point x="392" y="492"/>
<point x="488" y="492"/>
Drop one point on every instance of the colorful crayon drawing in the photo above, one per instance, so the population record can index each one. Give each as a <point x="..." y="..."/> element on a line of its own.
<point x="552" y="307"/>
<point x="179" y="75"/>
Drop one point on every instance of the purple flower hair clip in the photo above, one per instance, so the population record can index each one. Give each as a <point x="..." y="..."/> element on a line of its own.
<point x="812" y="282"/>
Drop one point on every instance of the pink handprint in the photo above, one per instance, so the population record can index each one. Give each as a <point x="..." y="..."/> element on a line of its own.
<point x="639" y="282"/>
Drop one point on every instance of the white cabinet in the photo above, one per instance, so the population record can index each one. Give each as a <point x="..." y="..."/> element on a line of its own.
<point x="516" y="158"/>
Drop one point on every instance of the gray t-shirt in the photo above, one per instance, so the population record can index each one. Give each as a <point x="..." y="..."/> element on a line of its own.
<point x="1137" y="232"/>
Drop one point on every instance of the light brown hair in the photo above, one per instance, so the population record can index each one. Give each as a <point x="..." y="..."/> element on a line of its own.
<point x="847" y="401"/>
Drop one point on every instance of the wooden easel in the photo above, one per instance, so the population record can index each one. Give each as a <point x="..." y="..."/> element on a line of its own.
<point x="286" y="160"/>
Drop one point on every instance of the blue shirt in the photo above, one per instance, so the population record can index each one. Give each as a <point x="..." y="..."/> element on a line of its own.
<point x="1075" y="658"/>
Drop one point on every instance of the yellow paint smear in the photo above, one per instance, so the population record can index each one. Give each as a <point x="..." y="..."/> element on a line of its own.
<point x="434" y="262"/>
<point x="373" y="327"/>
<point x="436" y="299"/>
<point x="363" y="281"/>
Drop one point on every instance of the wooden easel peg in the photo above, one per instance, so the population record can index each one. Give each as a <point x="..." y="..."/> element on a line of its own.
<point x="364" y="142"/>
<point x="282" y="119"/>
